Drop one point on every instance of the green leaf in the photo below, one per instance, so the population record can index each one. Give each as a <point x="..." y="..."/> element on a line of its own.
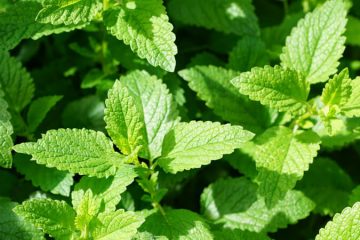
<point x="355" y="195"/>
<point x="176" y="224"/>
<point x="343" y="226"/>
<point x="139" y="112"/>
<point x="6" y="144"/>
<point x="80" y="151"/>
<point x="212" y="85"/>
<point x="338" y="90"/>
<point x="48" y="179"/>
<point x="14" y="227"/>
<point x="119" y="225"/>
<point x="249" y="52"/>
<point x="86" y="211"/>
<point x="234" y="203"/>
<point x="324" y="180"/>
<point x="191" y="145"/>
<point x="68" y="12"/>
<point x="15" y="82"/>
<point x="236" y="234"/>
<point x="278" y="88"/>
<point x="316" y="43"/>
<point x="227" y="16"/>
<point x="39" y="109"/>
<point x="352" y="107"/>
<point x="17" y="22"/>
<point x="282" y="157"/>
<point x="52" y="216"/>
<point x="106" y="189"/>
<point x="144" y="26"/>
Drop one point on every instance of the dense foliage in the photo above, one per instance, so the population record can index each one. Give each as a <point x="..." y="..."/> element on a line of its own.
<point x="179" y="119"/>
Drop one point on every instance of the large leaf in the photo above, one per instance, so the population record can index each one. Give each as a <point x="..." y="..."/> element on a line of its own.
<point x="234" y="203"/>
<point x="212" y="84"/>
<point x="68" y="12"/>
<point x="144" y="25"/>
<point x="14" y="227"/>
<point x="344" y="226"/>
<point x="316" y="43"/>
<point x="15" y="82"/>
<point x="139" y="112"/>
<point x="228" y="16"/>
<point x="54" y="217"/>
<point x="48" y="179"/>
<point x="176" y="224"/>
<point x="282" y="157"/>
<point x="191" y="145"/>
<point x="278" y="88"/>
<point x="80" y="151"/>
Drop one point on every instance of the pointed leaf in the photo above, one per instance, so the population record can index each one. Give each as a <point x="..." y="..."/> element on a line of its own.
<point x="191" y="145"/>
<point x="80" y="151"/>
<point x="278" y="88"/>
<point x="316" y="44"/>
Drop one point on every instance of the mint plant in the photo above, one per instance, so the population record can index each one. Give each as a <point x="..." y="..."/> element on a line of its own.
<point x="177" y="119"/>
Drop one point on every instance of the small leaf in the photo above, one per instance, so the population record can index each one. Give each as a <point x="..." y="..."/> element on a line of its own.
<point x="352" y="107"/>
<point x="278" y="88"/>
<point x="106" y="189"/>
<point x="338" y="90"/>
<point x="54" y="217"/>
<point x="316" y="44"/>
<point x="80" y="151"/>
<point x="191" y="145"/>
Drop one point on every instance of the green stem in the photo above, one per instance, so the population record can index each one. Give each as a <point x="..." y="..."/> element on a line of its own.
<point x="286" y="6"/>
<point x="105" y="4"/>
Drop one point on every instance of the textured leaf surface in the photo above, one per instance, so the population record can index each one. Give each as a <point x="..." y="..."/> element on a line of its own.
<point x="344" y="226"/>
<point x="6" y="144"/>
<point x="144" y="25"/>
<point x="222" y="15"/>
<point x="278" y="88"/>
<point x="236" y="234"/>
<point x="249" y="52"/>
<point x="106" y="189"/>
<point x="316" y="43"/>
<point x="17" y="22"/>
<point x="54" y="217"/>
<point x="212" y="85"/>
<point x="140" y="111"/>
<point x="176" y="224"/>
<point x="281" y="158"/>
<point x="38" y="110"/>
<point x="76" y="150"/>
<point x="352" y="107"/>
<point x="324" y="180"/>
<point x="338" y="90"/>
<point x="68" y="12"/>
<point x="13" y="227"/>
<point x="15" y="82"/>
<point x="48" y="179"/>
<point x="117" y="225"/>
<point x="234" y="202"/>
<point x="191" y="145"/>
